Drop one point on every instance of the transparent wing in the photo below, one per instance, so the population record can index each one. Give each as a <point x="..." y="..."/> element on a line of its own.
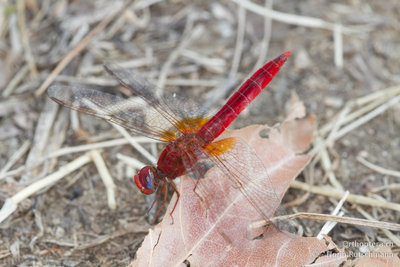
<point x="170" y="105"/>
<point x="156" y="117"/>
<point x="249" y="177"/>
<point x="132" y="113"/>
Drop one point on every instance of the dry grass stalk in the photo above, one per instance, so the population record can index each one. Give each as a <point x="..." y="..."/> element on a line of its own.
<point x="331" y="218"/>
<point x="328" y="226"/>
<point x="351" y="198"/>
<point x="11" y="203"/>
<point x="105" y="177"/>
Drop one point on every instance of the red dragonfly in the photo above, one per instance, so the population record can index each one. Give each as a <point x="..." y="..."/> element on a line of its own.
<point x="188" y="132"/>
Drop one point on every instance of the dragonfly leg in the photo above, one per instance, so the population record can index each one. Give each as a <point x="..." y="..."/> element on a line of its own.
<point x="178" y="195"/>
<point x="165" y="190"/>
<point x="155" y="200"/>
<point x="201" y="169"/>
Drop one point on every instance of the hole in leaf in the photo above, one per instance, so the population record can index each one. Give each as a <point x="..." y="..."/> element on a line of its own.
<point x="264" y="133"/>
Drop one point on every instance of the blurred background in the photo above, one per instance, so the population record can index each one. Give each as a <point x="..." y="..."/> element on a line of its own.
<point x="344" y="66"/>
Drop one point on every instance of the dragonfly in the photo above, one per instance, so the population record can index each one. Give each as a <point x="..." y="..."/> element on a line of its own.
<point x="189" y="134"/>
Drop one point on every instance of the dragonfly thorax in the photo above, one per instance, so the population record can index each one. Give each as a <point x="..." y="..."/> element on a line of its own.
<point x="180" y="155"/>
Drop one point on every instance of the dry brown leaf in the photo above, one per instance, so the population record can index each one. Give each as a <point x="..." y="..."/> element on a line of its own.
<point x="330" y="260"/>
<point x="383" y="256"/>
<point x="213" y="231"/>
<point x="296" y="109"/>
<point x="334" y="255"/>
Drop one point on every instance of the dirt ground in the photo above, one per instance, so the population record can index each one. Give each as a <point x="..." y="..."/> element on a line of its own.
<point x="342" y="51"/>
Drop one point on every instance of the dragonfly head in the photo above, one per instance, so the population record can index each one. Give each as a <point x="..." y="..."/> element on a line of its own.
<point x="146" y="180"/>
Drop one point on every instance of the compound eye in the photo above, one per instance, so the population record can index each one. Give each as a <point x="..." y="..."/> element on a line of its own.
<point x="145" y="180"/>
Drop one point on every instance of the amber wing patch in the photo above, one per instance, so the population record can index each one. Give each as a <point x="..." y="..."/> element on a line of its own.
<point x="221" y="146"/>
<point x="186" y="125"/>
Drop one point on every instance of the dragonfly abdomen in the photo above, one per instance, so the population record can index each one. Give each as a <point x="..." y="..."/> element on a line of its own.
<point x="241" y="99"/>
